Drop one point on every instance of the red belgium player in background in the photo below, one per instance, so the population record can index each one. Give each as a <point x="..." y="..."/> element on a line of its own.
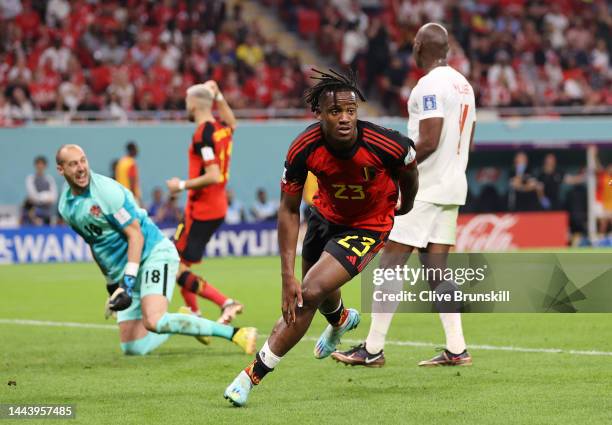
<point x="209" y="158"/>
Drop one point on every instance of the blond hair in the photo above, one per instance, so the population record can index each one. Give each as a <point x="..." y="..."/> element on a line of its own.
<point x="202" y="94"/>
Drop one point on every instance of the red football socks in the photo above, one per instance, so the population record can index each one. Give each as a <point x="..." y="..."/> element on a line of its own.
<point x="194" y="284"/>
<point x="211" y="293"/>
<point x="191" y="300"/>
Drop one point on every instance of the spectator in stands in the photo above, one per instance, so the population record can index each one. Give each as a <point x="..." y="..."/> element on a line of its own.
<point x="377" y="53"/>
<point x="111" y="51"/>
<point x="20" y="74"/>
<point x="57" y="12"/>
<point x="56" y="56"/>
<point x="144" y="52"/>
<point x="28" y="215"/>
<point x="10" y="9"/>
<point x="250" y="52"/>
<point x="354" y="44"/>
<point x="556" y="23"/>
<point x="122" y="88"/>
<point x="28" y="21"/>
<point x="502" y="80"/>
<point x="90" y="102"/>
<point x="166" y="214"/>
<point x="72" y="92"/>
<point x="22" y="109"/>
<point x="114" y="110"/>
<point x="263" y="209"/>
<point x="488" y="199"/>
<point x="42" y="191"/>
<point x="6" y="120"/>
<point x="391" y="84"/>
<point x="576" y="205"/>
<point x="176" y="98"/>
<point x="43" y="89"/>
<point x="523" y="194"/>
<point x="235" y="210"/>
<point x="158" y="199"/>
<point x="550" y="179"/>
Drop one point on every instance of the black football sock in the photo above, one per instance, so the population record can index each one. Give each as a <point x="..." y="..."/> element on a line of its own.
<point x="257" y="370"/>
<point x="335" y="317"/>
<point x="189" y="281"/>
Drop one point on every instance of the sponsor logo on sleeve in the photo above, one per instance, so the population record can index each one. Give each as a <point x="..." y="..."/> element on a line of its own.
<point x="122" y="216"/>
<point x="429" y="103"/>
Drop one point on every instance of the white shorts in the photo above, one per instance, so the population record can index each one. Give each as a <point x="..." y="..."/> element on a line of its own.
<point x="426" y="223"/>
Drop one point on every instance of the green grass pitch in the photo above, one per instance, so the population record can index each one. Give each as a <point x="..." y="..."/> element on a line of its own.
<point x="183" y="381"/>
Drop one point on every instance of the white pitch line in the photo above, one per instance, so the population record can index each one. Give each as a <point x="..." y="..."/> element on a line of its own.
<point x="55" y="324"/>
<point x="349" y="341"/>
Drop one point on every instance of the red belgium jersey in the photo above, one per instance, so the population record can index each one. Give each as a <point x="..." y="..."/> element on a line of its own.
<point x="355" y="187"/>
<point x="211" y="144"/>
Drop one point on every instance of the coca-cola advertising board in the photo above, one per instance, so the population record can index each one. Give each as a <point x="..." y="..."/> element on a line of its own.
<point x="511" y="231"/>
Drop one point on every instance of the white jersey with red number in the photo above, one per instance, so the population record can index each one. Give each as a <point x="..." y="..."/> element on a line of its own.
<point x="443" y="93"/>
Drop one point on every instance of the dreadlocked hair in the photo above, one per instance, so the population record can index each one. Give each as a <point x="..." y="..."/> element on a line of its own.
<point x="330" y="82"/>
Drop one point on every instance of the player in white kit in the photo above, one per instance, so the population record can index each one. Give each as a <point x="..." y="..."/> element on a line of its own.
<point x="442" y="119"/>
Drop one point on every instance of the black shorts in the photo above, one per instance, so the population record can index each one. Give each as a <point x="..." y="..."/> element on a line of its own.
<point x="353" y="248"/>
<point x="192" y="236"/>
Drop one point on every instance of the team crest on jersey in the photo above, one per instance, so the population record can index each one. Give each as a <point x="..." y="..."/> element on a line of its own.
<point x="95" y="210"/>
<point x="429" y="103"/>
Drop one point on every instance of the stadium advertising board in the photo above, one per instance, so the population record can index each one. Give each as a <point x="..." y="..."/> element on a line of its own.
<point x="509" y="231"/>
<point x="60" y="244"/>
<point x="476" y="232"/>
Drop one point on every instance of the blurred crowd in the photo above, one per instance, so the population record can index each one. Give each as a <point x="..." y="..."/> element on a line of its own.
<point x="118" y="56"/>
<point x="516" y="53"/>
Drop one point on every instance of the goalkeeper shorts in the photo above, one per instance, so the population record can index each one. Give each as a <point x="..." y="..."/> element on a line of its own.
<point x="156" y="276"/>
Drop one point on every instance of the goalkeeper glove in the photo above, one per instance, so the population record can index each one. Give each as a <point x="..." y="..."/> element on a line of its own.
<point x="121" y="298"/>
<point x="110" y="288"/>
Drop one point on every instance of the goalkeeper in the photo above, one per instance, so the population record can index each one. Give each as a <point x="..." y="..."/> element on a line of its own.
<point x="138" y="261"/>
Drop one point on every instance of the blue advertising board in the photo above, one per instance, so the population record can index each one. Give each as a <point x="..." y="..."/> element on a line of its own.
<point x="60" y="244"/>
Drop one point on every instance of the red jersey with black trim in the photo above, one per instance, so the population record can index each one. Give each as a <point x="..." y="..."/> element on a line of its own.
<point x="211" y="144"/>
<point x="356" y="187"/>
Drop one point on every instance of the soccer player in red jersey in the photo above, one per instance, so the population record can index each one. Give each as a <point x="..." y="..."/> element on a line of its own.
<point x="361" y="168"/>
<point x="209" y="157"/>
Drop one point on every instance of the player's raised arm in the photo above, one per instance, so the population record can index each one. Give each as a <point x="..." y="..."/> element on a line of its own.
<point x="212" y="172"/>
<point x="225" y="111"/>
